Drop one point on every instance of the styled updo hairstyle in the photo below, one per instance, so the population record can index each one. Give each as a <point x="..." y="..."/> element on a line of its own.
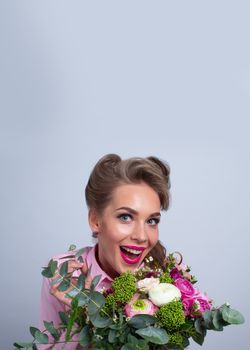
<point x="111" y="171"/>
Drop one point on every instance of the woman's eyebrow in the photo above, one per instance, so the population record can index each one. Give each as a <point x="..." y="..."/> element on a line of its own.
<point x="133" y="211"/>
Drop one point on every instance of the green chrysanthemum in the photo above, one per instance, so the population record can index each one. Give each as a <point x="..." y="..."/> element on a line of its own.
<point x="124" y="287"/>
<point x="109" y="305"/>
<point x="165" y="278"/>
<point x="171" y="316"/>
<point x="176" y="339"/>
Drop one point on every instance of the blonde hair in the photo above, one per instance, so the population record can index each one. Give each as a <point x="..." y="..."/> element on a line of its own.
<point x="111" y="171"/>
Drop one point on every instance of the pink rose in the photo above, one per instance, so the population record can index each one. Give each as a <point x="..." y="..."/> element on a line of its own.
<point x="186" y="287"/>
<point x="138" y="306"/>
<point x="204" y="302"/>
<point x="174" y="273"/>
<point x="187" y="304"/>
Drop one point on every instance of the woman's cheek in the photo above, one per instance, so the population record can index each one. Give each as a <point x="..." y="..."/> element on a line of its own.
<point x="154" y="237"/>
<point x="125" y="229"/>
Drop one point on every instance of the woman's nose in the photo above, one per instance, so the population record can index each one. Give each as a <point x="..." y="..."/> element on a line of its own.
<point x="139" y="233"/>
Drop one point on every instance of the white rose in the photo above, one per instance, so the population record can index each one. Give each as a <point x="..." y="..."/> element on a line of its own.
<point x="164" y="293"/>
<point x="147" y="283"/>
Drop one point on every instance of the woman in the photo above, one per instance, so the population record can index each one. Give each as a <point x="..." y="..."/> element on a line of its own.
<point x="124" y="198"/>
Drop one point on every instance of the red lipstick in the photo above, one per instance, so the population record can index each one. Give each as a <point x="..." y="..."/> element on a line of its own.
<point x="129" y="260"/>
<point x="126" y="255"/>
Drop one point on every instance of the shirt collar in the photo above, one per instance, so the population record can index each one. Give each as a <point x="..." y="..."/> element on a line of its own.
<point x="95" y="267"/>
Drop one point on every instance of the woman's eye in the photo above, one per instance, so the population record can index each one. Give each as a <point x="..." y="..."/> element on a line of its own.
<point x="153" y="221"/>
<point x="125" y="217"/>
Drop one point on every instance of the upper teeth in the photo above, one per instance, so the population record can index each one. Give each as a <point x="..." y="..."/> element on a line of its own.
<point x="133" y="251"/>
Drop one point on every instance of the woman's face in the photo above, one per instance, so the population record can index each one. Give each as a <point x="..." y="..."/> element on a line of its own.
<point x="127" y="228"/>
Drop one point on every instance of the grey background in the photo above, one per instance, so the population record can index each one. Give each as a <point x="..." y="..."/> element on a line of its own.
<point x="81" y="79"/>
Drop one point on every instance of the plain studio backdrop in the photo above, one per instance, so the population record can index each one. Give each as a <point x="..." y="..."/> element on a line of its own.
<point x="79" y="79"/>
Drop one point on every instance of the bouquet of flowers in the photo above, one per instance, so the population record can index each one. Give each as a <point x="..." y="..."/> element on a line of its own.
<point x="151" y="308"/>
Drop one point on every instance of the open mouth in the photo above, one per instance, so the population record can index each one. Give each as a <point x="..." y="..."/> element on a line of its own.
<point x="131" y="255"/>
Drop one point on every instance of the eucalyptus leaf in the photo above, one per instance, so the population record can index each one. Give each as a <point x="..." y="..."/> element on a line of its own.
<point x="83" y="297"/>
<point x="51" y="329"/>
<point x="218" y="320"/>
<point x="142" y="321"/>
<point x="127" y="346"/>
<point x="132" y="339"/>
<point x="80" y="252"/>
<point x="116" y="326"/>
<point x="50" y="270"/>
<point x="72" y="247"/>
<point x="96" y="301"/>
<point x="33" y="330"/>
<point x="72" y="293"/>
<point x="208" y="319"/>
<point x="64" y="268"/>
<point x="56" y="280"/>
<point x="34" y="346"/>
<point x="84" y="336"/>
<point x="198" y="338"/>
<point x="46" y="272"/>
<point x="154" y="335"/>
<point x="64" y="317"/>
<point x="189" y="324"/>
<point x="100" y="321"/>
<point x="232" y="316"/>
<point x="112" y="336"/>
<point x="53" y="266"/>
<point x="23" y="345"/>
<point x="199" y="327"/>
<point x="95" y="281"/>
<point x="41" y="338"/>
<point x="81" y="282"/>
<point x="137" y="343"/>
<point x="64" y="285"/>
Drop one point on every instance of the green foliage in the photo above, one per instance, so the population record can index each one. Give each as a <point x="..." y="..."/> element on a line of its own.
<point x="33" y="330"/>
<point x="80" y="252"/>
<point x="50" y="270"/>
<point x="64" y="269"/>
<point x="110" y="304"/>
<point x="95" y="281"/>
<point x="231" y="316"/>
<point x="41" y="338"/>
<point x="72" y="247"/>
<point x="81" y="282"/>
<point x="124" y="287"/>
<point x="96" y="301"/>
<point x="85" y="336"/>
<point x="64" y="285"/>
<point x="153" y="334"/>
<point x="23" y="345"/>
<point x="141" y="321"/>
<point x="52" y="330"/>
<point x="176" y="339"/>
<point x="100" y="321"/>
<point x="170" y="262"/>
<point x="199" y="326"/>
<point x="165" y="278"/>
<point x="139" y="344"/>
<point x="64" y="317"/>
<point x="72" y="318"/>
<point x="171" y="316"/>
